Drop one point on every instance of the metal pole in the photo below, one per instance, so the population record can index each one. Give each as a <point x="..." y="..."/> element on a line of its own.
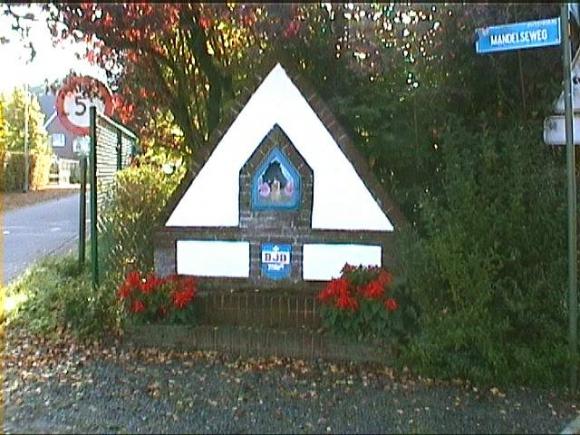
<point x="571" y="174"/>
<point x="119" y="150"/>
<point x="26" y="115"/>
<point x="93" y="181"/>
<point x="83" y="211"/>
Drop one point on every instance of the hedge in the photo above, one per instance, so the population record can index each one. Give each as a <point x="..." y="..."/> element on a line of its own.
<point x="12" y="173"/>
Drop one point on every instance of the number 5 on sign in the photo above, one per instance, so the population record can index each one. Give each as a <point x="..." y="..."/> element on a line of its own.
<point x="73" y="102"/>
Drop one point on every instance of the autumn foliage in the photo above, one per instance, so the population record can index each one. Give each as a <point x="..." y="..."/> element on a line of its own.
<point x="173" y="58"/>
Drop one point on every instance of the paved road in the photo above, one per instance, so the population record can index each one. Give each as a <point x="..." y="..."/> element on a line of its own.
<point x="33" y="232"/>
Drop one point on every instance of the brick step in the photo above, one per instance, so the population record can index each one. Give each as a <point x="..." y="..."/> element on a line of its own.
<point x="256" y="342"/>
<point x="259" y="309"/>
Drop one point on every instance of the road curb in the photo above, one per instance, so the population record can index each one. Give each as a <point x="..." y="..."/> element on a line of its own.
<point x="573" y="427"/>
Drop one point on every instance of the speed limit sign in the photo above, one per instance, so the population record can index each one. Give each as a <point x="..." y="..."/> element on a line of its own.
<point x="76" y="97"/>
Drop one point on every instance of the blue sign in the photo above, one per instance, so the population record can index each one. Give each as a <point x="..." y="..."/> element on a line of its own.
<point x="276" y="261"/>
<point x="515" y="36"/>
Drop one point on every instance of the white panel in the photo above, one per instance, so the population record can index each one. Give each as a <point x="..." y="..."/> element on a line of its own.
<point x="341" y="200"/>
<point x="213" y="258"/>
<point x="555" y="130"/>
<point x="322" y="262"/>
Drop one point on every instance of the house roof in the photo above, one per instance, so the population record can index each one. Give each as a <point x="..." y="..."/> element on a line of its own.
<point x="47" y="106"/>
<point x="347" y="195"/>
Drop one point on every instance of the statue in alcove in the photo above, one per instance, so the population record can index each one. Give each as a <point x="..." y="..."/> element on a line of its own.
<point x="275" y="184"/>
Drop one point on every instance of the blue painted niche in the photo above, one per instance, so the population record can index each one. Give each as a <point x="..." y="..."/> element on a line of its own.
<point x="276" y="184"/>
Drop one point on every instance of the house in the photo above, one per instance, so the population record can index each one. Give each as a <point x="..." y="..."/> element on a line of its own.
<point x="284" y="200"/>
<point x="59" y="138"/>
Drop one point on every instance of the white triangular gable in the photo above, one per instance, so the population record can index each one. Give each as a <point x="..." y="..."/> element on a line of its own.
<point x="341" y="201"/>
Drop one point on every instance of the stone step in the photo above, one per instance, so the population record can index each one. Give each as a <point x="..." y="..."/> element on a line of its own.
<point x="298" y="343"/>
<point x="270" y="309"/>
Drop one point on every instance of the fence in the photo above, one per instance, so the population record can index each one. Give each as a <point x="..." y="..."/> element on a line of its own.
<point x="112" y="147"/>
<point x="115" y="146"/>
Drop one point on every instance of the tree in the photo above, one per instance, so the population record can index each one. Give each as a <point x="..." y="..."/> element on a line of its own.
<point x="14" y="113"/>
<point x="177" y="58"/>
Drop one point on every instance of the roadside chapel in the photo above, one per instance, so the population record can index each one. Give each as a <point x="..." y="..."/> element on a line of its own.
<point x="283" y="200"/>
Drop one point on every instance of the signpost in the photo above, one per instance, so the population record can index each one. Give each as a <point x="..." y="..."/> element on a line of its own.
<point x="571" y="170"/>
<point x="516" y="36"/>
<point x="77" y="103"/>
<point x="545" y="33"/>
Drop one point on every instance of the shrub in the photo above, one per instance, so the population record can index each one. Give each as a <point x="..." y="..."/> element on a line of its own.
<point x="152" y="299"/>
<point x="363" y="304"/>
<point x="487" y="269"/>
<point x="130" y="216"/>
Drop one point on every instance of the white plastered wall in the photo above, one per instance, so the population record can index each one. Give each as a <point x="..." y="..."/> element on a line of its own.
<point x="213" y="258"/>
<point x="341" y="200"/>
<point x="322" y="262"/>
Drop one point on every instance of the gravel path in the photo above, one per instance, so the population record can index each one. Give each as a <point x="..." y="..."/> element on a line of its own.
<point x="63" y="388"/>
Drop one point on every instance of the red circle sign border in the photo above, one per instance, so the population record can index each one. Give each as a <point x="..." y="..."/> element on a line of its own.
<point x="62" y="93"/>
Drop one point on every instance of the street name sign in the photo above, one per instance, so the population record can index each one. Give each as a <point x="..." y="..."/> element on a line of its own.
<point x="516" y="36"/>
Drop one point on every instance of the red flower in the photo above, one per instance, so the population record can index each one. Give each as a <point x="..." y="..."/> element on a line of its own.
<point x="133" y="279"/>
<point x="181" y="298"/>
<point x="385" y="278"/>
<point x="346" y="302"/>
<point x="188" y="283"/>
<point x="137" y="306"/>
<point x="391" y="304"/>
<point x="185" y="294"/>
<point x="373" y="290"/>
<point x="326" y="294"/>
<point x="124" y="291"/>
<point x="150" y="284"/>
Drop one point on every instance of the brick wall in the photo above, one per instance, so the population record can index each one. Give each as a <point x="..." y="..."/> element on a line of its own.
<point x="257" y="342"/>
<point x="276" y="226"/>
<point x="281" y="309"/>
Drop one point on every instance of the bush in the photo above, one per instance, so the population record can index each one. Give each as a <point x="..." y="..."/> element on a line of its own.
<point x="130" y="216"/>
<point x="363" y="304"/>
<point x="59" y="295"/>
<point x="12" y="179"/>
<point x="488" y="269"/>
<point x="152" y="299"/>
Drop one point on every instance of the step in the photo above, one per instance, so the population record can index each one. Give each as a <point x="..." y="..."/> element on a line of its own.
<point x="256" y="342"/>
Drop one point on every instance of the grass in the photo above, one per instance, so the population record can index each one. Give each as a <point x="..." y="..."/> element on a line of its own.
<point x="14" y="200"/>
<point x="55" y="294"/>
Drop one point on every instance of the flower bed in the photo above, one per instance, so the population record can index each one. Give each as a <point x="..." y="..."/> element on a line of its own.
<point x="362" y="304"/>
<point x="150" y="299"/>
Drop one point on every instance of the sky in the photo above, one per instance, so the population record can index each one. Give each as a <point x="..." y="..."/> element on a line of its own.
<point x="50" y="62"/>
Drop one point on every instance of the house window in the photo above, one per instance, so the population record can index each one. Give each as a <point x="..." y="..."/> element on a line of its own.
<point x="57" y="140"/>
<point x="276" y="184"/>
